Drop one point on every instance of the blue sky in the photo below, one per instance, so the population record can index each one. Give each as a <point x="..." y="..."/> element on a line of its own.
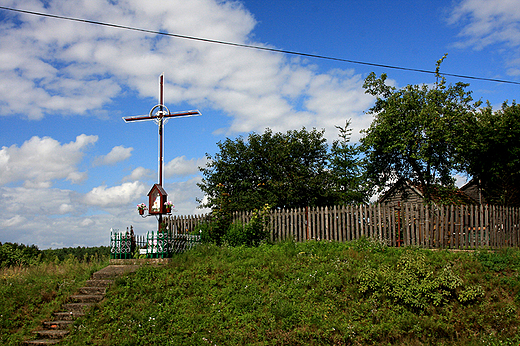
<point x="71" y="169"/>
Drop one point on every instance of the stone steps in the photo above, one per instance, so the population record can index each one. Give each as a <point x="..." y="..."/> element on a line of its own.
<point x="57" y="325"/>
<point x="77" y="307"/>
<point x="68" y="315"/>
<point x="89" y="295"/>
<point x="87" y="298"/>
<point x="92" y="290"/>
<point x="98" y="283"/>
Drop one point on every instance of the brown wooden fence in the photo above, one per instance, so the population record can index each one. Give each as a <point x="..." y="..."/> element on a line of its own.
<point x="185" y="223"/>
<point x="410" y="224"/>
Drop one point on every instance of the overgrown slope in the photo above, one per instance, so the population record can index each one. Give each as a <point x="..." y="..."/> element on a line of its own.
<point x="30" y="294"/>
<point x="314" y="293"/>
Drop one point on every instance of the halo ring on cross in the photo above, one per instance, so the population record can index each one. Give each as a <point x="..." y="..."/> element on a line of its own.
<point x="160" y="113"/>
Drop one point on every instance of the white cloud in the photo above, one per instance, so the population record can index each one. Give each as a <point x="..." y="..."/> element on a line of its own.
<point x="34" y="202"/>
<point x="337" y="97"/>
<point x="39" y="161"/>
<point x="183" y="195"/>
<point x="68" y="231"/>
<point x="62" y="67"/>
<point x="87" y="222"/>
<point x="115" y="196"/>
<point x="117" y="154"/>
<point x="57" y="218"/>
<point x="65" y="208"/>
<point x="66" y="67"/>
<point x="139" y="173"/>
<point x="484" y="23"/>
<point x="13" y="221"/>
<point x="179" y="166"/>
<point x="488" y="22"/>
<point x="460" y="179"/>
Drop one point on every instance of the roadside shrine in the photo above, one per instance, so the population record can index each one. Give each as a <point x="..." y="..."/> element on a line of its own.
<point x="161" y="243"/>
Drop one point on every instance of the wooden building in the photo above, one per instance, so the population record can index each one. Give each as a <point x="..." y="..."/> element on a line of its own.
<point x="404" y="191"/>
<point x="474" y="191"/>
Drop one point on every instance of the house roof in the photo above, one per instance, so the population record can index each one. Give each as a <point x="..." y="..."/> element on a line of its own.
<point x="469" y="184"/>
<point x="438" y="195"/>
<point x="472" y="190"/>
<point x="398" y="185"/>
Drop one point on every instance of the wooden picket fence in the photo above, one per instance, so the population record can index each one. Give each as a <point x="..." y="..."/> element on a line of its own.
<point x="185" y="223"/>
<point x="455" y="227"/>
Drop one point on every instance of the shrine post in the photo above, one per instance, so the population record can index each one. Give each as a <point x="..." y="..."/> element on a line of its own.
<point x="158" y="204"/>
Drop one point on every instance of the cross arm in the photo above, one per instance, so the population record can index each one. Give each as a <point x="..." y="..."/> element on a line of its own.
<point x="158" y="115"/>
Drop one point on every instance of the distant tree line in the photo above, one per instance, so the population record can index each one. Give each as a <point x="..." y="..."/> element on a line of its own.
<point x="80" y="253"/>
<point x="14" y="254"/>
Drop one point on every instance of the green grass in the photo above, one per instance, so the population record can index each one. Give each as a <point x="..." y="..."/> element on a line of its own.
<point x="314" y="293"/>
<point x="30" y="294"/>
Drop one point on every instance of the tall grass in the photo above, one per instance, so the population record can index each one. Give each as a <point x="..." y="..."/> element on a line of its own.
<point x="313" y="293"/>
<point x="30" y="294"/>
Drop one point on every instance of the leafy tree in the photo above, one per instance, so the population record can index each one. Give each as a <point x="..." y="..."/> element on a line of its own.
<point x="12" y="254"/>
<point x="280" y="169"/>
<point x="346" y="167"/>
<point x="412" y="135"/>
<point x="489" y="151"/>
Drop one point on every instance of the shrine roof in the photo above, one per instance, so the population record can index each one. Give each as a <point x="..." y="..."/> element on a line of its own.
<point x="158" y="187"/>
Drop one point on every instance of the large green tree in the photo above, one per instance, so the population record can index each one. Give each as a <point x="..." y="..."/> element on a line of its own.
<point x="412" y="134"/>
<point x="489" y="151"/>
<point x="280" y="169"/>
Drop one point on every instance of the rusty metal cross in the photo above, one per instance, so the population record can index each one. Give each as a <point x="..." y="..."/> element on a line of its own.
<point x="161" y="115"/>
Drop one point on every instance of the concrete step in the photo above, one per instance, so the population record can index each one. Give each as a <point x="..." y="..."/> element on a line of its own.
<point x="87" y="298"/>
<point x="92" y="290"/>
<point x="57" y="325"/>
<point x="98" y="283"/>
<point x="51" y="333"/>
<point x="113" y="271"/>
<point x="68" y="315"/>
<point x="42" y="342"/>
<point x="77" y="307"/>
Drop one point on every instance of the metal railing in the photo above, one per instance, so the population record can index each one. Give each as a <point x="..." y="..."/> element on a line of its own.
<point x="125" y="245"/>
<point x="121" y="244"/>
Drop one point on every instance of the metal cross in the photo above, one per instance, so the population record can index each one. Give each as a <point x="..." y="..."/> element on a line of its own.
<point x="161" y="115"/>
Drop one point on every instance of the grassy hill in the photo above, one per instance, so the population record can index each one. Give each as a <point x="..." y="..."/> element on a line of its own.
<point x="314" y="293"/>
<point x="31" y="293"/>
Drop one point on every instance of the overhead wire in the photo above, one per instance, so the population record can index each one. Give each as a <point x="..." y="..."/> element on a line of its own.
<point x="243" y="45"/>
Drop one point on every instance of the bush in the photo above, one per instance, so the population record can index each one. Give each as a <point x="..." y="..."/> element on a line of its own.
<point x="237" y="233"/>
<point x="416" y="283"/>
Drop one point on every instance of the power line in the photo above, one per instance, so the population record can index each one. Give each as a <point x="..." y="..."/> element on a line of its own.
<point x="241" y="45"/>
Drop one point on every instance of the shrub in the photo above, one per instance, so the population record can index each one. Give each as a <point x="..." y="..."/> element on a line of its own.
<point x="416" y="284"/>
<point x="238" y="233"/>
